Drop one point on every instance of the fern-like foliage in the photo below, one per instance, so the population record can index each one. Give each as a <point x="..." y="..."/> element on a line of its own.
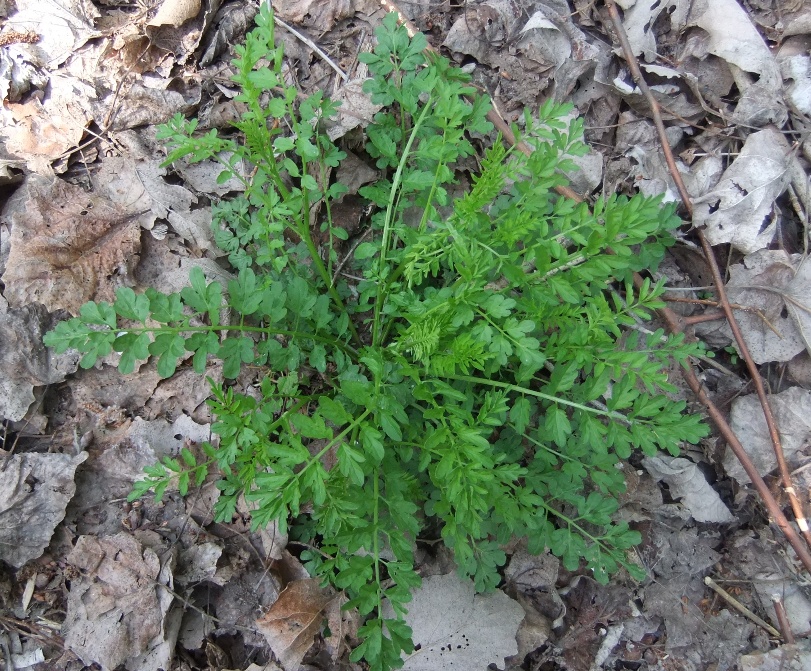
<point x="479" y="379"/>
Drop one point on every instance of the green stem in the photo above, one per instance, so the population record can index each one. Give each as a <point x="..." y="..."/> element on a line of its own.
<point x="304" y="233"/>
<point x="387" y="226"/>
<point x="247" y="329"/>
<point x="611" y="414"/>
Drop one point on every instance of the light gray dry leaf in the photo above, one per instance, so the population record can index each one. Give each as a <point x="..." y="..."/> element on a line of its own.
<point x="25" y="362"/>
<point x="142" y="186"/>
<point x="732" y="36"/>
<point x="778" y="287"/>
<point x="792" y="412"/>
<point x="739" y="210"/>
<point x="68" y="247"/>
<point x="62" y="27"/>
<point x="688" y="483"/>
<point x="639" y="18"/>
<point x="357" y="108"/>
<point x="114" y="610"/>
<point x="34" y="491"/>
<point x="314" y="14"/>
<point x="785" y="658"/>
<point x="457" y="629"/>
<point x="175" y="12"/>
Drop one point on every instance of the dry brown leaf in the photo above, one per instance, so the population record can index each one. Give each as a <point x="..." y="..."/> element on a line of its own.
<point x="41" y="132"/>
<point x="68" y="247"/>
<point x="291" y="622"/>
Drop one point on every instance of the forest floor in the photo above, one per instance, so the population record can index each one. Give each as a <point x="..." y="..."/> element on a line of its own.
<point x="88" y="578"/>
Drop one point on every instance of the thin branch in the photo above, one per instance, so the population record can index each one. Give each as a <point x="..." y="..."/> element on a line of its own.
<point x="735" y="445"/>
<point x="312" y="46"/>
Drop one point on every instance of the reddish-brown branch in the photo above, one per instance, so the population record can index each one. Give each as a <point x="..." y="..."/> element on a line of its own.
<point x="723" y="300"/>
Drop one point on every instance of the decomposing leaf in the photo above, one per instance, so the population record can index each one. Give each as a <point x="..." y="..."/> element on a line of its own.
<point x="39" y="132"/>
<point x="315" y="14"/>
<point x="292" y="622"/>
<point x="25" y="362"/>
<point x="732" y="36"/>
<point x="197" y="563"/>
<point x="34" y="491"/>
<point x="114" y="610"/>
<point x="457" y="629"/>
<point x="792" y="412"/>
<point x="142" y="186"/>
<point x="688" y="483"/>
<point x="784" y="658"/>
<point x="68" y="247"/>
<point x="739" y="210"/>
<point x="62" y="27"/>
<point x="778" y="288"/>
<point x="343" y="626"/>
<point x="175" y="12"/>
<point x="231" y="23"/>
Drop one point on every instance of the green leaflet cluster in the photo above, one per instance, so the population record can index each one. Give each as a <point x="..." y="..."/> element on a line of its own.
<point x="479" y="382"/>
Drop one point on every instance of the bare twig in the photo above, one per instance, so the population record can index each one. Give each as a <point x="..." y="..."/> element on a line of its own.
<point x="782" y="619"/>
<point x="774" y="510"/>
<point x="312" y="46"/>
<point x="737" y="605"/>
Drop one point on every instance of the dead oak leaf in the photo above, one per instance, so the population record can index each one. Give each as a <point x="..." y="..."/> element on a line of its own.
<point x="68" y="247"/>
<point x="293" y="620"/>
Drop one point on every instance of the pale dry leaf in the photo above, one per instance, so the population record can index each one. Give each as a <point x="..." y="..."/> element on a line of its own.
<point x="639" y="20"/>
<point x="114" y="611"/>
<point x="688" y="483"/>
<point x="40" y="132"/>
<point x="62" y="27"/>
<point x="34" y="491"/>
<point x="175" y="12"/>
<point x="785" y="658"/>
<point x="792" y="413"/>
<point x="315" y="14"/>
<point x="740" y="209"/>
<point x="343" y="626"/>
<point x="778" y="325"/>
<point x="25" y="362"/>
<point x="68" y="247"/>
<point x="292" y="622"/>
<point x="458" y="629"/>
<point x="732" y="36"/>
<point x="142" y="186"/>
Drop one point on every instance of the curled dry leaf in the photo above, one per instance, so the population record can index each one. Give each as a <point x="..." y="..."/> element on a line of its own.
<point x="292" y="622"/>
<point x="175" y="12"/>
<point x="739" y="210"/>
<point x="688" y="483"/>
<point x="68" y="247"/>
<point x="34" y="491"/>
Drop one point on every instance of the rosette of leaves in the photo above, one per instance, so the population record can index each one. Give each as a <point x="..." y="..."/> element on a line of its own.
<point x="466" y="372"/>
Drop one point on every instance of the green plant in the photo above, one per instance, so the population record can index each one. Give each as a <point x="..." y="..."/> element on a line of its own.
<point x="475" y="383"/>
